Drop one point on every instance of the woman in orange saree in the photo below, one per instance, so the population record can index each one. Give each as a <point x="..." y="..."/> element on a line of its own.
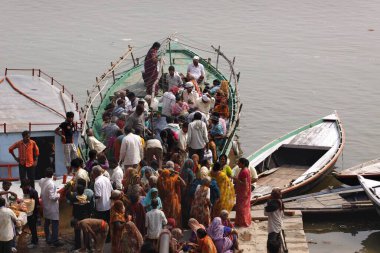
<point x="117" y="222"/>
<point x="227" y="191"/>
<point x="168" y="184"/>
<point x="206" y="245"/>
<point x="243" y="195"/>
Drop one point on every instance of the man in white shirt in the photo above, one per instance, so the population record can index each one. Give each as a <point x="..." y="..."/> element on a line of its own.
<point x="94" y="143"/>
<point x="154" y="221"/>
<point x="275" y="212"/>
<point x="189" y="95"/>
<point x="50" y="200"/>
<point x="154" y="150"/>
<point x="196" y="70"/>
<point x="204" y="104"/>
<point x="182" y="142"/>
<point x="79" y="172"/>
<point x="168" y="100"/>
<point x="7" y="220"/>
<point x="131" y="150"/>
<point x="102" y="194"/>
<point x="173" y="78"/>
<point x="197" y="136"/>
<point x="117" y="176"/>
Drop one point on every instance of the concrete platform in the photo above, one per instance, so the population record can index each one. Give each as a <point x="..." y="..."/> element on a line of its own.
<point x="254" y="238"/>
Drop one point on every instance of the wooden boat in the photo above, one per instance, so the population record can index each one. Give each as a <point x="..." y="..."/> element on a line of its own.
<point x="372" y="189"/>
<point x="34" y="101"/>
<point x="299" y="160"/>
<point x="341" y="200"/>
<point x="370" y="170"/>
<point x="126" y="73"/>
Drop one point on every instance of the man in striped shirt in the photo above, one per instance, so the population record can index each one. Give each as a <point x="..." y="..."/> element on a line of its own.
<point x="27" y="159"/>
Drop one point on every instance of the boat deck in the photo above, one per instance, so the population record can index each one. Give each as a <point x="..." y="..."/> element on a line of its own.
<point x="371" y="167"/>
<point x="281" y="177"/>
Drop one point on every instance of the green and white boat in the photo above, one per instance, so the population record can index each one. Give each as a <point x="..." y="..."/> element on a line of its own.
<point x="299" y="160"/>
<point x="126" y="73"/>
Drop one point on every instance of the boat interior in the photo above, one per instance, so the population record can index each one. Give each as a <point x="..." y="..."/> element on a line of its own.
<point x="286" y="164"/>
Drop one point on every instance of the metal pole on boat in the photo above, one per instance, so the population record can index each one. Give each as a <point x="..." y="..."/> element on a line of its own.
<point x="170" y="54"/>
<point x="6" y="70"/>
<point x="113" y="75"/>
<point x="32" y="72"/>
<point x="5" y="128"/>
<point x="217" y="57"/>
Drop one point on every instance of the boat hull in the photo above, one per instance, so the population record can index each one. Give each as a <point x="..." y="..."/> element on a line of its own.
<point x="353" y="179"/>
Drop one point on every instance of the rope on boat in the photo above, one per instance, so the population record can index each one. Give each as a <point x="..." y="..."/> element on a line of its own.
<point x="34" y="100"/>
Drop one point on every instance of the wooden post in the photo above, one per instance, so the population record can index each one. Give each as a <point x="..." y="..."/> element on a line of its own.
<point x="6" y="70"/>
<point x="5" y="128"/>
<point x="233" y="62"/>
<point x="101" y="96"/>
<point x="72" y="98"/>
<point x="39" y="72"/>
<point x="52" y="81"/>
<point x="30" y="126"/>
<point x="113" y="75"/>
<point x="217" y="58"/>
<point x="238" y="76"/>
<point x="209" y="60"/>
<point x="133" y="58"/>
<point x="63" y="88"/>
<point x="137" y="61"/>
<point x="32" y="72"/>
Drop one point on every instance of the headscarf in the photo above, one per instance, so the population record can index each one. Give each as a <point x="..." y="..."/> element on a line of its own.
<point x="177" y="233"/>
<point x="134" y="235"/>
<point x="117" y="212"/>
<point x="187" y="170"/>
<point x="224" y="88"/>
<point x="204" y="172"/>
<point x="216" y="229"/>
<point x="171" y="222"/>
<point x="195" y="225"/>
<point x="148" y="199"/>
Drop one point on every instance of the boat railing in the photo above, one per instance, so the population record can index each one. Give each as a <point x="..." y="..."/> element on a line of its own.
<point x="9" y="167"/>
<point x="29" y="126"/>
<point x="43" y="75"/>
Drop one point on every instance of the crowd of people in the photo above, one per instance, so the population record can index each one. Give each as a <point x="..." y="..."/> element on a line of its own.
<point x="151" y="170"/>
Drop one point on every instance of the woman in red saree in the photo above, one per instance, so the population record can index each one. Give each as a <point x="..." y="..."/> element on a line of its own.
<point x="150" y="67"/>
<point x="243" y="195"/>
<point x="168" y="184"/>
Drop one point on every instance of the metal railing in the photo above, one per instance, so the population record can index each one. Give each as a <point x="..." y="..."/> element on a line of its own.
<point x="52" y="81"/>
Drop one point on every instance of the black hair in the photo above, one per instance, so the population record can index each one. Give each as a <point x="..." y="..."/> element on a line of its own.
<point x="6" y="182"/>
<point x="131" y="95"/>
<point x="148" y="247"/>
<point x="154" y="203"/>
<point x="223" y="155"/>
<point x="201" y="233"/>
<point x="171" y="68"/>
<point x="156" y="45"/>
<point x="92" y="153"/>
<point x="25" y="133"/>
<point x="139" y="109"/>
<point x="143" y="163"/>
<point x="244" y="161"/>
<point x="76" y="163"/>
<point x="204" y="162"/>
<point x="80" y="189"/>
<point x="154" y="164"/>
<point x="127" y="130"/>
<point x="273" y="243"/>
<point x="49" y="172"/>
<point x="120" y="101"/>
<point x="197" y="116"/>
<point x="217" y="166"/>
<point x="185" y="124"/>
<point x="169" y="120"/>
<point x="2" y="202"/>
<point x="216" y="82"/>
<point x="82" y="182"/>
<point x="134" y="198"/>
<point x="69" y="115"/>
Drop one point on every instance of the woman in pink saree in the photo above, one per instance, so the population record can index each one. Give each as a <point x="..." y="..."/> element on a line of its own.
<point x="243" y="195"/>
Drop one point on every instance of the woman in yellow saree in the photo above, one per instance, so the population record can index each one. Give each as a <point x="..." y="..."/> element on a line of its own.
<point x="226" y="188"/>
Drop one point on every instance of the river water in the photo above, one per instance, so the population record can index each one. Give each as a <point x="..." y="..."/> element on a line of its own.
<point x="299" y="60"/>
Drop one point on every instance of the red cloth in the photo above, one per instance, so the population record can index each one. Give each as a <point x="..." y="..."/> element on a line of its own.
<point x="137" y="212"/>
<point x="243" y="197"/>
